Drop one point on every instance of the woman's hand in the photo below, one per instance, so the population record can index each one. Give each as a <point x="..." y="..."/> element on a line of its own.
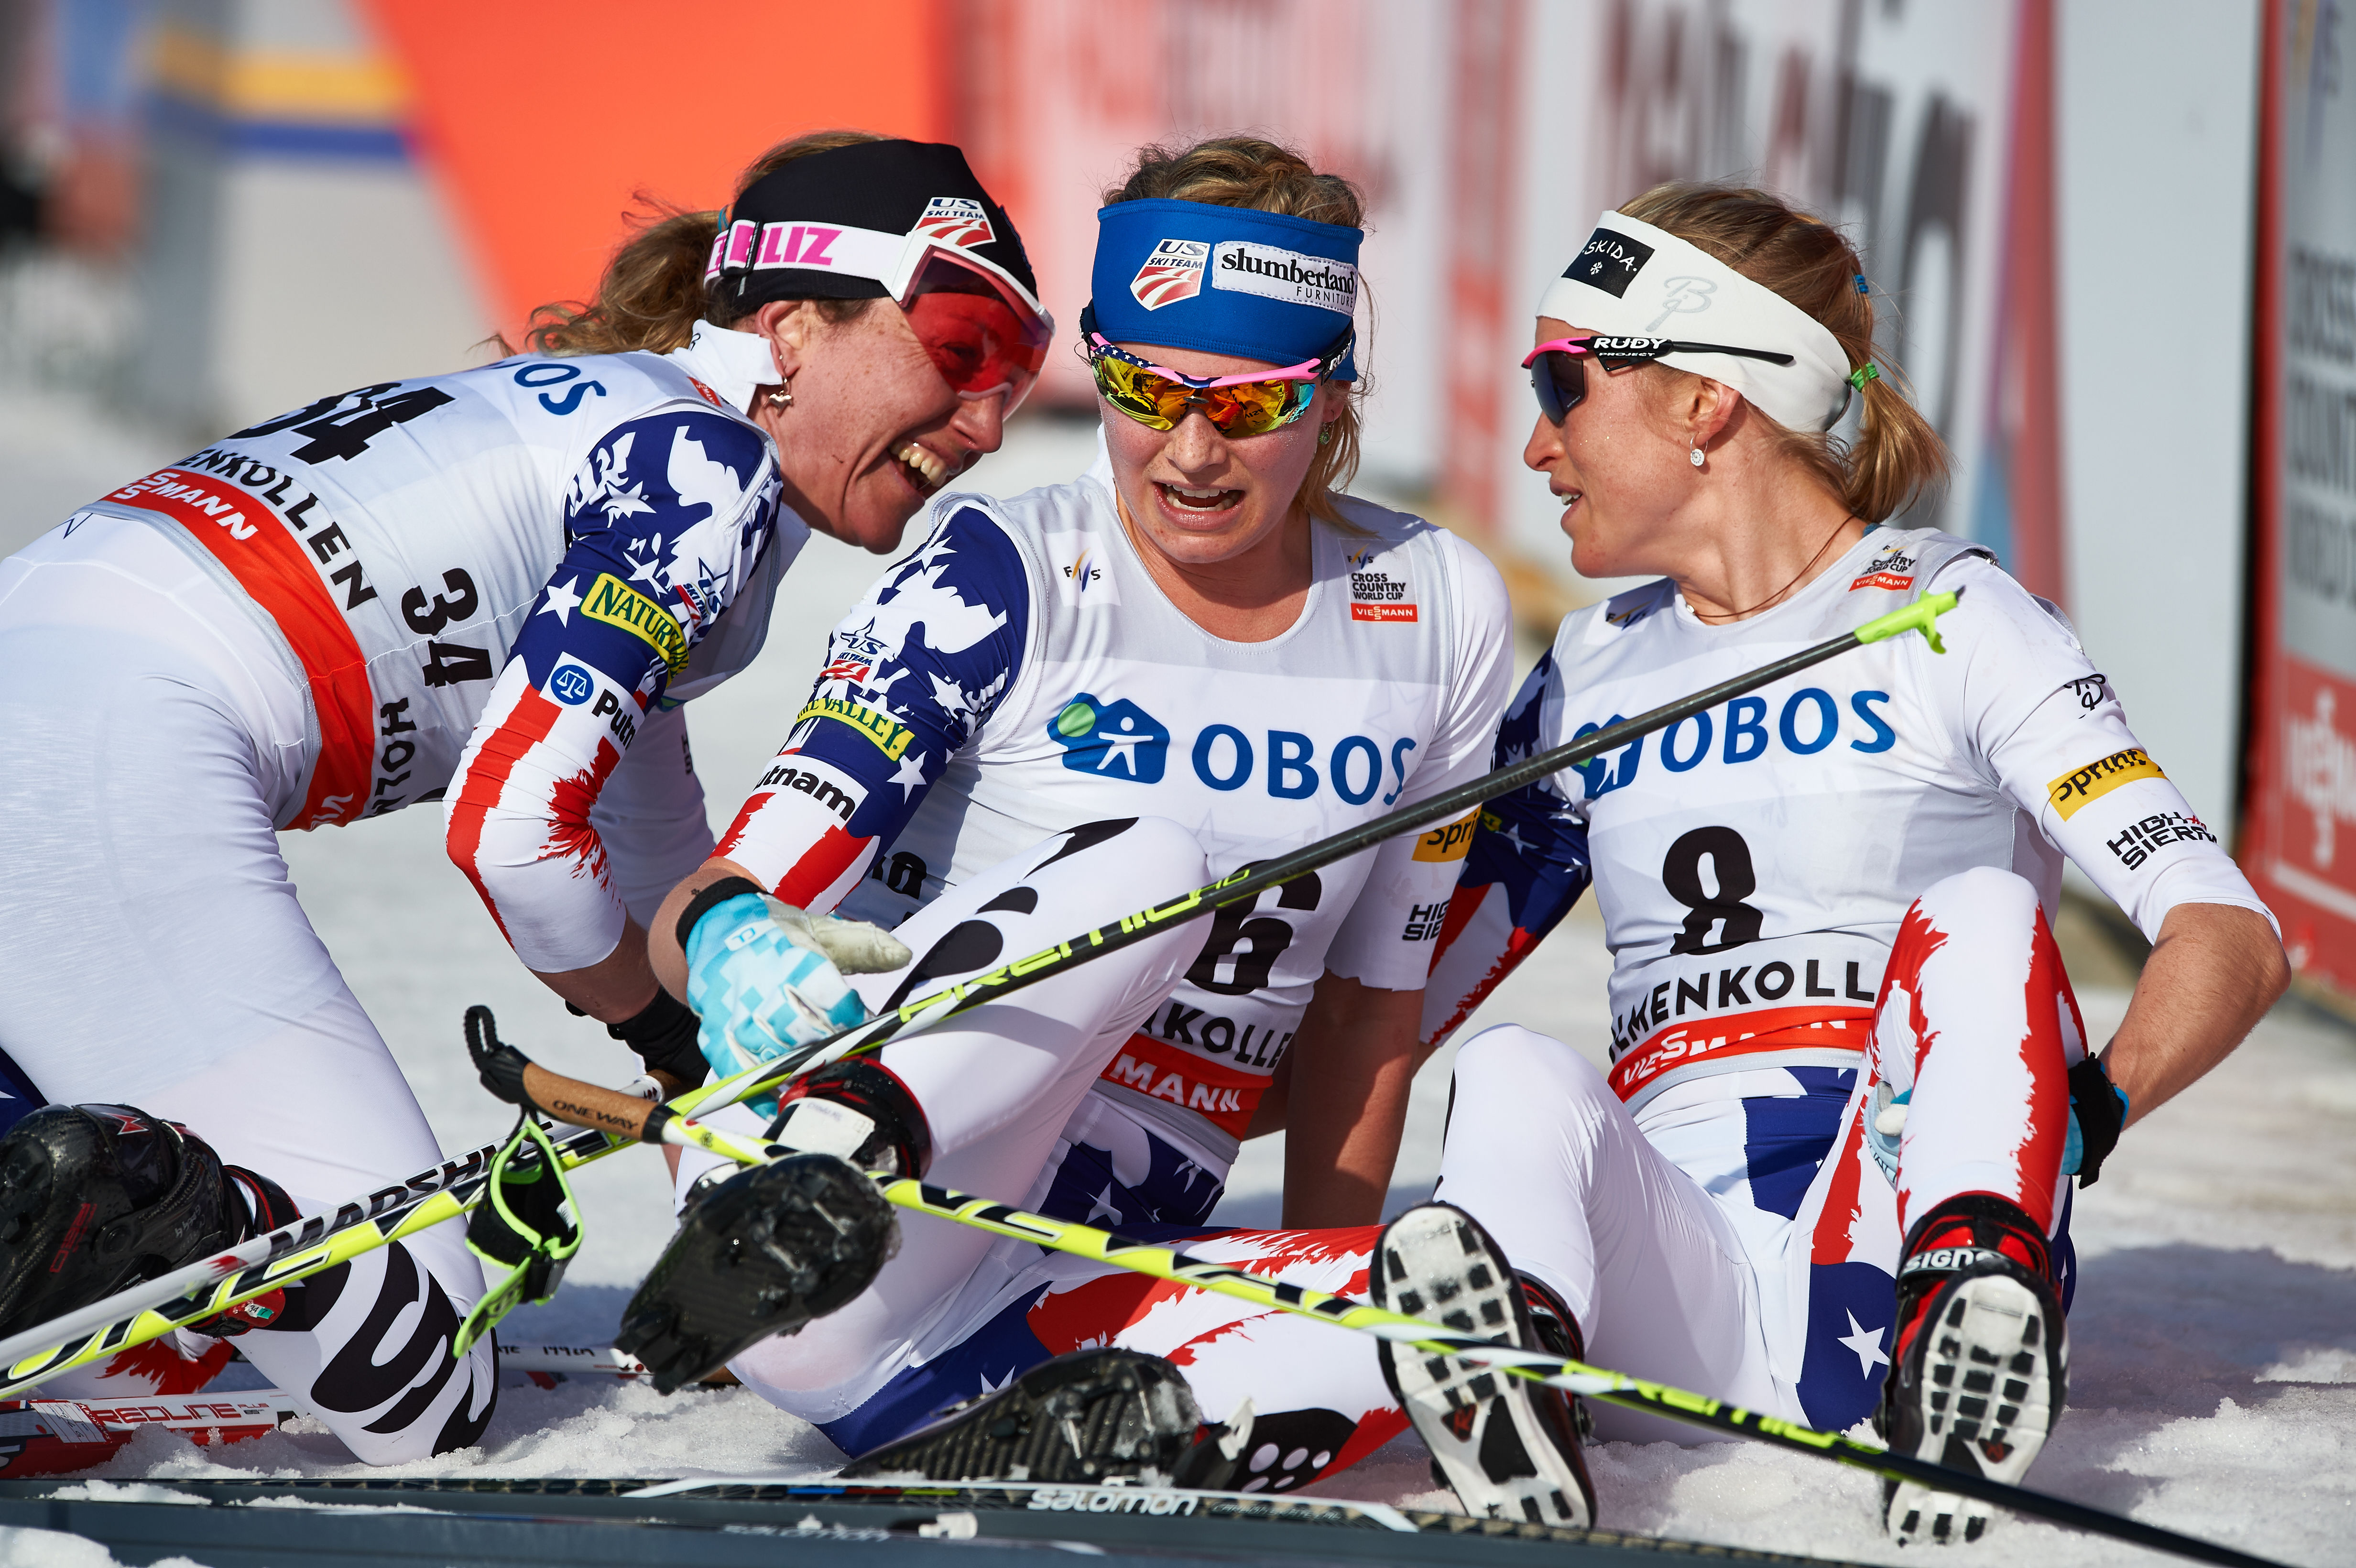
<point x="2211" y="976"/>
<point x="1349" y="1068"/>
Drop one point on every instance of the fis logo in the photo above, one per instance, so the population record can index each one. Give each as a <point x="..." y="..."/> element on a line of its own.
<point x="1083" y="581"/>
<point x="956" y="220"/>
<point x="1115" y="740"/>
<point x="1173" y="272"/>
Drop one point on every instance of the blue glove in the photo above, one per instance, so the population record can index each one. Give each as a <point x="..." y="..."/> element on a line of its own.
<point x="2098" y="1110"/>
<point x="763" y="979"/>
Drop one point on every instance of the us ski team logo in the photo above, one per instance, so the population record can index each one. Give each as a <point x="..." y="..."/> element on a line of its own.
<point x="956" y="220"/>
<point x="1173" y="272"/>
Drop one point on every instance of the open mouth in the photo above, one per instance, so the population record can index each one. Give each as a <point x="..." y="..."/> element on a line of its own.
<point x="924" y="471"/>
<point x="1185" y="498"/>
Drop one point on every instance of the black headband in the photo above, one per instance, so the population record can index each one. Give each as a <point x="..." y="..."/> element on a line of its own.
<point x="866" y="188"/>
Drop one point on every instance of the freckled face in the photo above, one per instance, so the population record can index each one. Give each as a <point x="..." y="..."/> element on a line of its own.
<point x="1200" y="496"/>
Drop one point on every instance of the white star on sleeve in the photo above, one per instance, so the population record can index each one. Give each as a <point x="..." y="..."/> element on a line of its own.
<point x="562" y="601"/>
<point x="910" y="776"/>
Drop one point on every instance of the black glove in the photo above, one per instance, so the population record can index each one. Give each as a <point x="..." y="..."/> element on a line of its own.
<point x="663" y="1034"/>
<point x="2100" y="1111"/>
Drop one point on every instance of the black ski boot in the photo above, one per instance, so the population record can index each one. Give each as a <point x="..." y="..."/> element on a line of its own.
<point x="1982" y="1367"/>
<point x="762" y="1253"/>
<point x="1508" y="1448"/>
<point x="1088" y="1416"/>
<point x="94" y="1198"/>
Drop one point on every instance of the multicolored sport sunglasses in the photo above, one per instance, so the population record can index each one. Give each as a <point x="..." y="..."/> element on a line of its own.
<point x="981" y="332"/>
<point x="1158" y="398"/>
<point x="1559" y="371"/>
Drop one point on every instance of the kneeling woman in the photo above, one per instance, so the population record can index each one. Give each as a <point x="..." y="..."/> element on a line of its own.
<point x="1065" y="707"/>
<point x="489" y="591"/>
<point x="1849" y="1083"/>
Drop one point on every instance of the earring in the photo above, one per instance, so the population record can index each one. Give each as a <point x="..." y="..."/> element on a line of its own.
<point x="1326" y="435"/>
<point x="783" y="398"/>
<point x="1695" y="455"/>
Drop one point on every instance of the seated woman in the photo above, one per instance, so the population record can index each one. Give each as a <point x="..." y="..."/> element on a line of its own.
<point x="1827" y="1174"/>
<point x="1062" y="708"/>
<point x="486" y="591"/>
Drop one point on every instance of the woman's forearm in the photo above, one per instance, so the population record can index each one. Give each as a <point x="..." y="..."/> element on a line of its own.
<point x="1353" y="1063"/>
<point x="2212" y="974"/>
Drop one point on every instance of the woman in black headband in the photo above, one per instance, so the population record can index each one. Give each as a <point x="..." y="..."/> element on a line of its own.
<point x="487" y="591"/>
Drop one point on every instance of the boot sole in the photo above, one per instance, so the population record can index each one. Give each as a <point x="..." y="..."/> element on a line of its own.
<point x="1082" y="1417"/>
<point x="1488" y="1442"/>
<point x="1986" y="1382"/>
<point x="763" y="1253"/>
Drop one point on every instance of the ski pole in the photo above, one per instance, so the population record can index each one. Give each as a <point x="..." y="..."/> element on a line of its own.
<point x="1576" y="1377"/>
<point x="294" y="1251"/>
<point x="623" y="1116"/>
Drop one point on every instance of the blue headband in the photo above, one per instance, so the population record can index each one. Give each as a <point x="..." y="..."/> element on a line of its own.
<point x="1225" y="279"/>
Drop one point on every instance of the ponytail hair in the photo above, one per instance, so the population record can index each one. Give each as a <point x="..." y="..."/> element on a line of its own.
<point x="1253" y="172"/>
<point x="1897" y="455"/>
<point x="653" y="292"/>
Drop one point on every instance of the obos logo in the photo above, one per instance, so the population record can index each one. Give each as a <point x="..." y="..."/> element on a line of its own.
<point x="1111" y="740"/>
<point x="956" y="220"/>
<point x="571" y="685"/>
<point x="1173" y="272"/>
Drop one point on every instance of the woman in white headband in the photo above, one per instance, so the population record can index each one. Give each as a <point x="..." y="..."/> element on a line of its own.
<point x="1849" y="1083"/>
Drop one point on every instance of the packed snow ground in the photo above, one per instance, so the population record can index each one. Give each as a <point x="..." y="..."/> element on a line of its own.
<point x="2214" y="1340"/>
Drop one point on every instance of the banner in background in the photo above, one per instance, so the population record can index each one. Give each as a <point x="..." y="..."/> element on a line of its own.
<point x="2300" y="846"/>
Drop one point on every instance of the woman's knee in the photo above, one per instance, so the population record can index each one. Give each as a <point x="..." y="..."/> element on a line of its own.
<point x="1982" y="897"/>
<point x="1508" y="1075"/>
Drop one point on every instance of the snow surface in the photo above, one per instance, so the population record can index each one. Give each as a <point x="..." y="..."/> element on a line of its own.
<point x="2214" y="1340"/>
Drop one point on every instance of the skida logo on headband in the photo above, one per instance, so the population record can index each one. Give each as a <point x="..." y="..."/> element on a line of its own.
<point x="1609" y="262"/>
<point x="956" y="220"/>
<point x="1173" y="272"/>
<point x="1242" y="267"/>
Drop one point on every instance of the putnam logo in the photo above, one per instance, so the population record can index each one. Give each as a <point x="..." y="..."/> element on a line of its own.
<point x="1173" y="272"/>
<point x="832" y="790"/>
<point x="1450" y="841"/>
<point x="1382" y="612"/>
<point x="2097" y="779"/>
<point x="617" y="603"/>
<point x="956" y="220"/>
<point x="889" y="738"/>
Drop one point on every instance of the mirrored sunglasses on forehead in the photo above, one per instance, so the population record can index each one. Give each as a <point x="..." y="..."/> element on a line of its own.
<point x="1558" y="367"/>
<point x="1158" y="398"/>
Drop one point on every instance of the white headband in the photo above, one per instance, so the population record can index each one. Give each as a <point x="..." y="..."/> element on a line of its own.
<point x="1632" y="280"/>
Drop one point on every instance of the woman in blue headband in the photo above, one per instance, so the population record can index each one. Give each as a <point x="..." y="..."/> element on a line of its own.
<point x="1060" y="710"/>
